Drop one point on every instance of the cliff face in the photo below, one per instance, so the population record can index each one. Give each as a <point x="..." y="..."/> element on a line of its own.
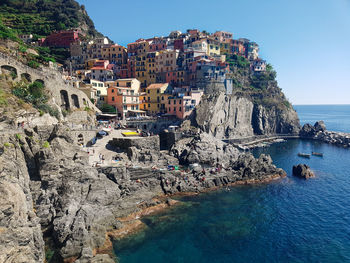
<point x="257" y="106"/>
<point x="235" y="116"/>
<point x="20" y="231"/>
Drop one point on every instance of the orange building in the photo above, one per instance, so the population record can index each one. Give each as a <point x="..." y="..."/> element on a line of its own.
<point x="124" y="96"/>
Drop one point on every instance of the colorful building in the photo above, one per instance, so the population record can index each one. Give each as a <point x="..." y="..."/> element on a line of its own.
<point x="167" y="60"/>
<point x="62" y="38"/>
<point x="116" y="54"/>
<point x="222" y="36"/>
<point x="156" y="97"/>
<point x="124" y="96"/>
<point x="182" y="105"/>
<point x="102" y="71"/>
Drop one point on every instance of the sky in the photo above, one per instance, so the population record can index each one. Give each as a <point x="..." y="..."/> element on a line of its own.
<point x="306" y="41"/>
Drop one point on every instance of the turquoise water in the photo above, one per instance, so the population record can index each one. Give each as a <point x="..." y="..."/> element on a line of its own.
<point x="336" y="117"/>
<point x="288" y="220"/>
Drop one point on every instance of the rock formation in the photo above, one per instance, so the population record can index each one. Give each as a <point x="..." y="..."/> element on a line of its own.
<point x="235" y="116"/>
<point x="48" y="190"/>
<point x="318" y="132"/>
<point x="302" y="171"/>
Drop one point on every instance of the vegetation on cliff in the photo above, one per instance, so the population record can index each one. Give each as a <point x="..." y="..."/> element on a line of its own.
<point x="261" y="87"/>
<point x="41" y="17"/>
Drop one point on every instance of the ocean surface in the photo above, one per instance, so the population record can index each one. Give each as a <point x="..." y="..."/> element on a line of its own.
<point x="288" y="220"/>
<point x="336" y="117"/>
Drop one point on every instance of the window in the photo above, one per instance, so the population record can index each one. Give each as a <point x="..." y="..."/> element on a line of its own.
<point x="180" y="109"/>
<point x="158" y="106"/>
<point x="149" y="99"/>
<point x="157" y="90"/>
<point x="162" y="98"/>
<point x="175" y="109"/>
<point x="149" y="105"/>
<point x="148" y="91"/>
<point x="125" y="107"/>
<point x="112" y="98"/>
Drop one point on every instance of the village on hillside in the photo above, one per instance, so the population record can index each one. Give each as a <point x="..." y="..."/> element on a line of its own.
<point x="152" y="77"/>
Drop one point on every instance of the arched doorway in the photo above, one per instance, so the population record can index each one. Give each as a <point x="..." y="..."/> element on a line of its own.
<point x="75" y="101"/>
<point x="26" y="77"/>
<point x="64" y="99"/>
<point x="6" y="69"/>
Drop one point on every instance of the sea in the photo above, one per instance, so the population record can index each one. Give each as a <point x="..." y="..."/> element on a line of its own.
<point x="288" y="220"/>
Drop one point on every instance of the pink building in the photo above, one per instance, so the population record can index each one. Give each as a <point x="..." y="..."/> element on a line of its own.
<point x="182" y="106"/>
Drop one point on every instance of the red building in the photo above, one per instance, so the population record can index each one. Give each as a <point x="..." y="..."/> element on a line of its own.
<point x="179" y="44"/>
<point x="61" y="39"/>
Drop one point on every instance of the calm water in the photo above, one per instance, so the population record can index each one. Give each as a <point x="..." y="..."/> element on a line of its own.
<point x="289" y="220"/>
<point x="336" y="117"/>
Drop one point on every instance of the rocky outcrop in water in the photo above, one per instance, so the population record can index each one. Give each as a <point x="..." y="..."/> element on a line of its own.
<point x="318" y="132"/>
<point x="302" y="171"/>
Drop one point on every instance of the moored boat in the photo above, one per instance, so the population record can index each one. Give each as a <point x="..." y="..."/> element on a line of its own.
<point x="317" y="154"/>
<point x="305" y="155"/>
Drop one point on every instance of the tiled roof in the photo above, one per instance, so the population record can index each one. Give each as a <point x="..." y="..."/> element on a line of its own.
<point x="156" y="85"/>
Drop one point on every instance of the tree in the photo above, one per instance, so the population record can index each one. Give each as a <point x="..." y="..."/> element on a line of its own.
<point x="108" y="108"/>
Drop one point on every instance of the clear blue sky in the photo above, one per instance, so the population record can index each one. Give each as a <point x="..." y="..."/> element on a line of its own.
<point x="307" y="41"/>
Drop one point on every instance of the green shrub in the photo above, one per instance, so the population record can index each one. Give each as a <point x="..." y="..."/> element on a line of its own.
<point x="22" y="49"/>
<point x="238" y="61"/>
<point x="8" y="145"/>
<point x="3" y="99"/>
<point x="107" y="108"/>
<point x="46" y="144"/>
<point x="33" y="64"/>
<point x="54" y="112"/>
<point x="18" y="136"/>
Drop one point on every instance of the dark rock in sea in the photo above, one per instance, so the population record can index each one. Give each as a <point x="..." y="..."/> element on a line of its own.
<point x="319" y="132"/>
<point x="302" y="171"/>
<point x="320" y="126"/>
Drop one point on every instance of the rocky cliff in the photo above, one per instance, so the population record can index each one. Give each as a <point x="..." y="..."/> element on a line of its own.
<point x="257" y="106"/>
<point x="235" y="116"/>
<point x="49" y="192"/>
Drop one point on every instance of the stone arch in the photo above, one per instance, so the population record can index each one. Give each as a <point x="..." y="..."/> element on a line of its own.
<point x="75" y="101"/>
<point x="80" y="139"/>
<point x="64" y="99"/>
<point x="40" y="80"/>
<point x="26" y="76"/>
<point x="6" y="69"/>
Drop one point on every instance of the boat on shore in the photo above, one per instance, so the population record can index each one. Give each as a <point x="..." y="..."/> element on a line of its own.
<point x="305" y="155"/>
<point x="317" y="154"/>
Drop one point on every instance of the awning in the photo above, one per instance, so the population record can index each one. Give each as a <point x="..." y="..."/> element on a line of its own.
<point x="137" y="111"/>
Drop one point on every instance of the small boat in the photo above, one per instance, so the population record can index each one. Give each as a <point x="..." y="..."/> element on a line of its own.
<point x="317" y="154"/>
<point x="305" y="155"/>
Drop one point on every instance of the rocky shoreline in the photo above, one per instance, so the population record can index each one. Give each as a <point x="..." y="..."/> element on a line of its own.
<point x="319" y="132"/>
<point x="57" y="195"/>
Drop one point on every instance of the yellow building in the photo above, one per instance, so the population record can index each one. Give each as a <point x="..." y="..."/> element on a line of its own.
<point x="115" y="53"/>
<point x="167" y="60"/>
<point x="156" y="98"/>
<point x="90" y="63"/>
<point x="151" y="68"/>
<point x="225" y="48"/>
<point x="213" y="48"/>
<point x="140" y="69"/>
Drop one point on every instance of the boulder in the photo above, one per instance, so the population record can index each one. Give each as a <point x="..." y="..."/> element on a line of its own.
<point x="320" y="126"/>
<point x="302" y="171"/>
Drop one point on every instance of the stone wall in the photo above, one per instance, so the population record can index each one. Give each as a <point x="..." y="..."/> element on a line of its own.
<point x="63" y="95"/>
<point x="142" y="143"/>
